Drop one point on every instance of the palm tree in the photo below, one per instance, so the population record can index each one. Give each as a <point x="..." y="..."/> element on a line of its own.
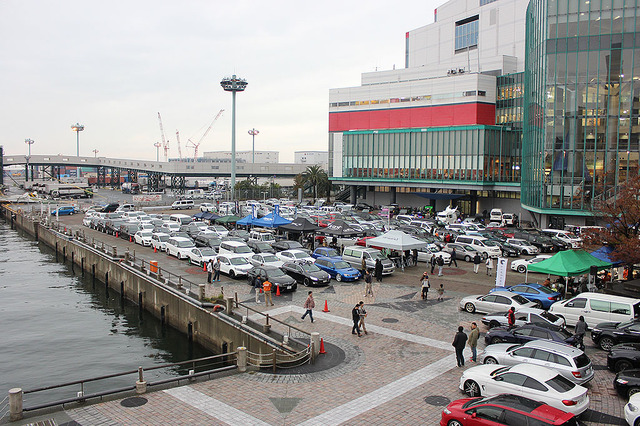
<point x="314" y="176"/>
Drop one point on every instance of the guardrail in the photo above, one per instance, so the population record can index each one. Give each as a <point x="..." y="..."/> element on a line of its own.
<point x="270" y="320"/>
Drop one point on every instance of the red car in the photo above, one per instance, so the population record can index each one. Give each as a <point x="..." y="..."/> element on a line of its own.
<point x="504" y="410"/>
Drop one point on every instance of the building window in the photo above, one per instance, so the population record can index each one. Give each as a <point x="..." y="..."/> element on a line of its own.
<point x="483" y="2"/>
<point x="467" y="33"/>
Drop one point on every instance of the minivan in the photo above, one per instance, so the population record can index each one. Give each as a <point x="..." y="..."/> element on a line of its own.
<point x="355" y="254"/>
<point x="596" y="308"/>
<point x="235" y="247"/>
<point x="263" y="236"/>
<point x="482" y="245"/>
<point x="182" y="204"/>
<point x="182" y="219"/>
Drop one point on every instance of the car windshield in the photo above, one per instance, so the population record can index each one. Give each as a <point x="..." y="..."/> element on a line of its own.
<point x="263" y="246"/>
<point x="341" y="265"/>
<point x="276" y="273"/>
<point x="546" y="290"/>
<point x="238" y="261"/>
<point x="208" y="252"/>
<point x="521" y="300"/>
<point x="378" y="255"/>
<point x="310" y="268"/>
<point x="243" y="249"/>
<point x="582" y="361"/>
<point x="549" y="316"/>
<point x="300" y="255"/>
<point x="214" y="240"/>
<point x="560" y="384"/>
<point x="163" y="238"/>
<point x="332" y="253"/>
<point x="468" y="248"/>
<point x="490" y="243"/>
<point x="561" y="331"/>
<point x="185" y="244"/>
<point x="267" y="237"/>
<point x="270" y="258"/>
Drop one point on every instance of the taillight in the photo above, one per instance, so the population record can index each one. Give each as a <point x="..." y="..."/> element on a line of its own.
<point x="568" y="402"/>
<point x="552" y="298"/>
<point x="576" y="374"/>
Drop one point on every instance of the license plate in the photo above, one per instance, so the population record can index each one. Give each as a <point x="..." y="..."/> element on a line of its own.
<point x="288" y="287"/>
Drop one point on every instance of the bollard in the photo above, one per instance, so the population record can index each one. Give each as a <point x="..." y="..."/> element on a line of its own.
<point x="242" y="359"/>
<point x="179" y="282"/>
<point x="141" y="385"/>
<point x="201" y="288"/>
<point x="229" y="305"/>
<point x="315" y="343"/>
<point x="266" y="327"/>
<point x="312" y="352"/>
<point x="115" y="251"/>
<point x="15" y="404"/>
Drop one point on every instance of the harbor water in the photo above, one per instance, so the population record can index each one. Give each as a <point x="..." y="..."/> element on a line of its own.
<point x="58" y="327"/>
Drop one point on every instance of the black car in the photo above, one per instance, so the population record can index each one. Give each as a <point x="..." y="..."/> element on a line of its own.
<point x="306" y="273"/>
<point x="128" y="230"/>
<point x="507" y="249"/>
<point x="260" y="247"/>
<point x="276" y="276"/>
<point x="624" y="357"/>
<point x="287" y="245"/>
<point x="627" y="382"/>
<point x="363" y="206"/>
<point x="109" y="208"/>
<point x="241" y="233"/>
<point x="544" y="244"/>
<point x="527" y="333"/>
<point x="607" y="334"/>
<point x="112" y="226"/>
<point x="208" y="239"/>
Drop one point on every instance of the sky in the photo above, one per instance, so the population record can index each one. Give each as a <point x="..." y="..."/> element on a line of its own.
<point x="112" y="66"/>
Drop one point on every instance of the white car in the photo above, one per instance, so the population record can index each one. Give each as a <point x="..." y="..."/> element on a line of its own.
<point x="143" y="238"/>
<point x="495" y="302"/>
<point x="425" y="254"/>
<point x="632" y="410"/>
<point x="524" y="246"/>
<point x="86" y="220"/>
<point x="523" y="316"/>
<point x="234" y="265"/>
<point x="200" y="255"/>
<point x="295" y="256"/>
<point x="220" y="230"/>
<point x="531" y="381"/>
<point x="179" y="247"/>
<point x="159" y="240"/>
<point x="266" y="259"/>
<point x="169" y="227"/>
<point x="521" y="265"/>
<point x="207" y="207"/>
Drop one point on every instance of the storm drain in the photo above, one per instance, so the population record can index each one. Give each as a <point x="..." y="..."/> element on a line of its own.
<point x="437" y="400"/>
<point x="136" y="401"/>
<point x="390" y="320"/>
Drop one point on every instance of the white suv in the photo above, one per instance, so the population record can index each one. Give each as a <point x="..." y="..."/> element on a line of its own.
<point x="179" y="247"/>
<point x="234" y="265"/>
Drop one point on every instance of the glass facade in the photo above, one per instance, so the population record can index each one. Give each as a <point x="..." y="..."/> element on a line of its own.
<point x="469" y="154"/>
<point x="582" y="102"/>
<point x="509" y="97"/>
<point x="466" y="33"/>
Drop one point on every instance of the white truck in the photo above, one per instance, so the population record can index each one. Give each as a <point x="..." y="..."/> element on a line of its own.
<point x="448" y="215"/>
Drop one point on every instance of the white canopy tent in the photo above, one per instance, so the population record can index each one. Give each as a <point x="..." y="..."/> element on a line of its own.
<point x="396" y="240"/>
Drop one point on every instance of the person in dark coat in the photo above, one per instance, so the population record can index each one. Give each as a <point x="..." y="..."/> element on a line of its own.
<point x="511" y="317"/>
<point x="476" y="262"/>
<point x="355" y="316"/>
<point x="378" y="270"/>
<point x="459" y="343"/>
<point x="433" y="263"/>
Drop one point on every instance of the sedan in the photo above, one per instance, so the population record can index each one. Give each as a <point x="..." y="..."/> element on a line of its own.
<point x="200" y="256"/>
<point x="521" y="265"/>
<point x="208" y="239"/>
<point x="338" y="268"/>
<point x="627" y="383"/>
<point x="287" y="245"/>
<point x="463" y="251"/>
<point x="266" y="259"/>
<point x="260" y="247"/>
<point x="527" y="333"/>
<point x="207" y="207"/>
<point x="143" y="238"/>
<point x="306" y="273"/>
<point x="607" y="334"/>
<point x="624" y="357"/>
<point x="276" y="276"/>
<point x="494" y="302"/>
<point x="533" y="381"/>
<point x="234" y="265"/>
<point x="325" y="252"/>
<point x="542" y="296"/>
<point x="523" y="316"/>
<point x="524" y="246"/>
<point x="507" y="249"/>
<point x="295" y="256"/>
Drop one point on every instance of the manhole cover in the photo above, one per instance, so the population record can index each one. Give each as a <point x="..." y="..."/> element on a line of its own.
<point x="135" y="401"/>
<point x="437" y="400"/>
<point x="389" y="320"/>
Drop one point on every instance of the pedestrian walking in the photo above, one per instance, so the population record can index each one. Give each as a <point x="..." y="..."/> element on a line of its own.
<point x="216" y="270"/>
<point x="440" y="262"/>
<point x="441" y="292"/>
<point x="209" y="267"/>
<point x="425" y="286"/>
<point x="355" y="316"/>
<point x="579" y="332"/>
<point x="266" y="287"/>
<point x="433" y="263"/>
<point x="459" y="342"/>
<point x="454" y="255"/>
<point x="489" y="264"/>
<point x="476" y="262"/>
<point x="363" y="314"/>
<point x="473" y="341"/>
<point x="363" y="266"/>
<point x="368" y="284"/>
<point x="309" y="304"/>
<point x="378" y="270"/>
<point x="257" y="285"/>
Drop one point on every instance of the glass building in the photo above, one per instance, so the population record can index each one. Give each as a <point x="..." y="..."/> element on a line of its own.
<point x="581" y="103"/>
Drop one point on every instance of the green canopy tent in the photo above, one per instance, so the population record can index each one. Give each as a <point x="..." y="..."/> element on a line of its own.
<point x="227" y="219"/>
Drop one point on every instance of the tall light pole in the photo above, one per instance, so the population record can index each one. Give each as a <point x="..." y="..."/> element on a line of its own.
<point x="77" y="128"/>
<point x="233" y="85"/>
<point x="253" y="133"/>
<point x="29" y="142"/>
<point x="157" y="145"/>
<point x="95" y="153"/>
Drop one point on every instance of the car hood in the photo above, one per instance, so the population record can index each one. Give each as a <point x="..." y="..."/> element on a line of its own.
<point x="607" y="325"/>
<point x="471" y="298"/>
<point x="321" y="275"/>
<point x="282" y="280"/>
<point x="633" y="374"/>
<point x="347" y="271"/>
<point x="481" y="370"/>
<point x="498" y="348"/>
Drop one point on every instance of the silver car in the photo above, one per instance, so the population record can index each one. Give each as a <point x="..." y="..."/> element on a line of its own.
<point x="523" y="316"/>
<point x="494" y="302"/>
<point x="570" y="362"/>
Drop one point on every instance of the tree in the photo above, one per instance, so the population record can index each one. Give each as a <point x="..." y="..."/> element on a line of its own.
<point x="620" y="218"/>
<point x="315" y="177"/>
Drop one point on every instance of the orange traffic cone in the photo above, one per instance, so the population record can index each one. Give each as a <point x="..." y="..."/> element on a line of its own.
<point x="204" y="266"/>
<point x="129" y="238"/>
<point x="117" y="235"/>
<point x="322" y="351"/>
<point x="278" y="290"/>
<point x="155" y="250"/>
<point x="326" y="306"/>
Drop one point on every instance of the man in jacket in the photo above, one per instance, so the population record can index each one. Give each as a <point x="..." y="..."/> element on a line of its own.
<point x="309" y="304"/>
<point x="216" y="270"/>
<point x="459" y="343"/>
<point x="355" y="316"/>
<point x="266" y="287"/>
<point x="368" y="284"/>
<point x="476" y="262"/>
<point x="473" y="340"/>
<point x="440" y="262"/>
<point x="580" y="331"/>
<point x="209" y="266"/>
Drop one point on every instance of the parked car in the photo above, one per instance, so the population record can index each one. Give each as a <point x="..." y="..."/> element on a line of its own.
<point x="179" y="247"/>
<point x="354" y="255"/>
<point x="112" y="226"/>
<point x="193" y="228"/>
<point x="542" y="296"/>
<point x="597" y="308"/>
<point x="507" y="249"/>
<point x="306" y="273"/>
<point x="260" y="246"/>
<point x="295" y="255"/>
<point x="523" y="245"/>
<point x="219" y="229"/>
<point x="608" y="334"/>
<point x="128" y="230"/>
<point x="494" y="302"/>
<point x="159" y="240"/>
<point x="207" y="207"/>
<point x="627" y="383"/>
<point x="533" y="381"/>
<point x="526" y="333"/>
<point x="266" y="259"/>
<point x="523" y="316"/>
<point x="276" y="276"/>
<point x="199" y="256"/>
<point x="64" y="211"/>
<point x="338" y="268"/>
<point x="287" y="245"/>
<point x="572" y="363"/>
<point x="143" y="238"/>
<point x="325" y="252"/>
<point x="632" y="410"/>
<point x="504" y="409"/>
<point x="108" y="208"/>
<point x="543" y="244"/>
<point x="521" y="265"/>
<point x="234" y="265"/>
<point x="208" y="239"/>
<point x="426" y="253"/>
<point x="463" y="251"/>
<point x="623" y="356"/>
<point x="239" y="233"/>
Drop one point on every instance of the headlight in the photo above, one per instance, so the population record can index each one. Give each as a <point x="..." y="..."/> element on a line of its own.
<point x="595" y="330"/>
<point x="447" y="411"/>
<point x="314" y="279"/>
<point x="632" y="407"/>
<point x="622" y="381"/>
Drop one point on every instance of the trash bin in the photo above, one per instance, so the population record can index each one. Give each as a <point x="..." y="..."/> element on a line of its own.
<point x="153" y="266"/>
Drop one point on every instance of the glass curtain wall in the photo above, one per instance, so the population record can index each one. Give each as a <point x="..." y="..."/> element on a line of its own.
<point x="582" y="102"/>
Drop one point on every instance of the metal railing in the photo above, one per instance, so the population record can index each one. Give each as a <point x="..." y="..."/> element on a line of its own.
<point x="4" y="408"/>
<point x="270" y="321"/>
<point x="275" y="360"/>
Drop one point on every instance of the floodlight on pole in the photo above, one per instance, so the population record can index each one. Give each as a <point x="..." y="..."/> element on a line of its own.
<point x="95" y="153"/>
<point x="29" y="142"/>
<point x="233" y="85"/>
<point x="157" y="145"/>
<point x="253" y="133"/>
<point x="77" y="128"/>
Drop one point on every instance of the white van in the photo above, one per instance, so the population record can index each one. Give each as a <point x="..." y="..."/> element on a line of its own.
<point x="484" y="246"/>
<point x="195" y="193"/>
<point x="235" y="247"/>
<point x="182" y="219"/>
<point x="182" y="204"/>
<point x="227" y="208"/>
<point x="495" y="215"/>
<point x="596" y="308"/>
<point x="262" y="236"/>
<point x="354" y="255"/>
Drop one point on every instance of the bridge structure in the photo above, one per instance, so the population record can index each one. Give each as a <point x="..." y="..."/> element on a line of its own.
<point x="160" y="174"/>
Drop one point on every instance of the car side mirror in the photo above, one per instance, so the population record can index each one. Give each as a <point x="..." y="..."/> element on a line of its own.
<point x="474" y="415"/>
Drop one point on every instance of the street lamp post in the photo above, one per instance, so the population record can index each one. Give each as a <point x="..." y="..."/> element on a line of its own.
<point x="157" y="145"/>
<point x="95" y="153"/>
<point x="77" y="128"/>
<point x="233" y="85"/>
<point x="253" y="133"/>
<point x="29" y="142"/>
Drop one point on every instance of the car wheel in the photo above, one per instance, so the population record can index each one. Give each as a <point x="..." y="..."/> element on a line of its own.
<point x="306" y="282"/>
<point x="232" y="274"/>
<point x="606" y="343"/>
<point x="538" y="304"/>
<point x="522" y="269"/>
<point x="494" y="323"/>
<point x="490" y="360"/>
<point x="454" y="423"/>
<point x="471" y="388"/>
<point x="632" y="391"/>
<point x="467" y="258"/>
<point x="495" y="340"/>
<point x="621" y="365"/>
<point x="338" y="277"/>
<point x="470" y="307"/>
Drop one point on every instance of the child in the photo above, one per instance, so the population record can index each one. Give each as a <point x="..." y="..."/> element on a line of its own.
<point x="441" y="292"/>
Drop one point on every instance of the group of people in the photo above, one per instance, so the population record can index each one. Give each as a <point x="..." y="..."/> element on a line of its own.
<point x="266" y="286"/>
<point x="358" y="314"/>
<point x="213" y="270"/>
<point x="461" y="340"/>
<point x="477" y="260"/>
<point x="425" y="285"/>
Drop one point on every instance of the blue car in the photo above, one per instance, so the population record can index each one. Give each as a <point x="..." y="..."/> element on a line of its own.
<point x="338" y="268"/>
<point x="326" y="252"/>
<point x="64" y="210"/>
<point x="542" y="296"/>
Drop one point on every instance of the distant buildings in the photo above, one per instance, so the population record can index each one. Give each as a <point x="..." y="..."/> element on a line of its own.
<point x="245" y="156"/>
<point x="311" y="158"/>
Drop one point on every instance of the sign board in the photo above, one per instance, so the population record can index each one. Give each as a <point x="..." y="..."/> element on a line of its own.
<point x="501" y="271"/>
<point x="142" y="198"/>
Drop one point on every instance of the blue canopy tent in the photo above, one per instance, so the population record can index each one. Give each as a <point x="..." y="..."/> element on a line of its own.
<point x="199" y="215"/>
<point x="603" y="254"/>
<point x="271" y="221"/>
<point x="247" y="220"/>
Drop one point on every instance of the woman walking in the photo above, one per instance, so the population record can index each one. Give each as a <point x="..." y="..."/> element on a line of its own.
<point x="425" y="285"/>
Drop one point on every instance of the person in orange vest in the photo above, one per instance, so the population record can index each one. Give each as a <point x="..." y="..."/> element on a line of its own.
<point x="266" y="287"/>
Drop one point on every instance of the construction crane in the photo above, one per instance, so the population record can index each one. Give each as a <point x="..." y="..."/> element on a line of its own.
<point x="178" y="142"/>
<point x="165" y="142"/>
<point x="194" y="145"/>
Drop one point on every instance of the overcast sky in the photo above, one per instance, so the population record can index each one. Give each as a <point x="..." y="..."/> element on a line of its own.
<point x="113" y="65"/>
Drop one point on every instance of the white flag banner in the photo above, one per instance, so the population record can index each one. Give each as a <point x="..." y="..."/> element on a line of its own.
<point x="501" y="271"/>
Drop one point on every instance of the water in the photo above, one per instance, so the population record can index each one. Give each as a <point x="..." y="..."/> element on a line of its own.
<point x="59" y="327"/>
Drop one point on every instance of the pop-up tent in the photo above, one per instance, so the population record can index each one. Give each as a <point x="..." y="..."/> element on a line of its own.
<point x="603" y="253"/>
<point x="340" y="228"/>
<point x="227" y="219"/>
<point x="271" y="221"/>
<point x="300" y="224"/>
<point x="569" y="263"/>
<point x="246" y="221"/>
<point x="396" y="240"/>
